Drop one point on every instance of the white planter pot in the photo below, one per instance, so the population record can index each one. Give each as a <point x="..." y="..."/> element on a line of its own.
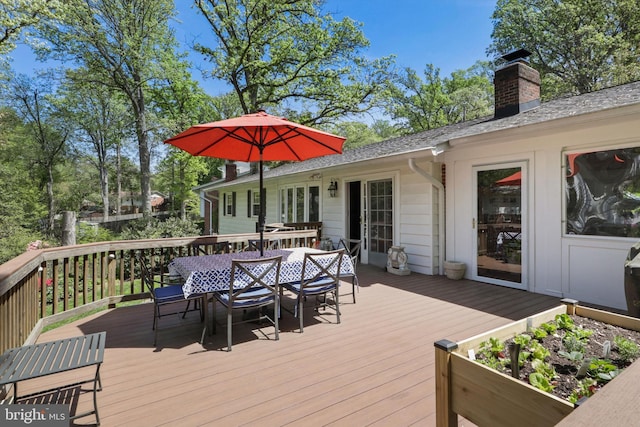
<point x="454" y="270"/>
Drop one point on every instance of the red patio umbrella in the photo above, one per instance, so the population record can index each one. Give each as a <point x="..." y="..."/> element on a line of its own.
<point x="514" y="179"/>
<point x="257" y="137"/>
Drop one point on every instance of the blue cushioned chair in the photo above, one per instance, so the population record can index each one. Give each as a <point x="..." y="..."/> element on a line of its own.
<point x="320" y="276"/>
<point x="254" y="284"/>
<point x="163" y="295"/>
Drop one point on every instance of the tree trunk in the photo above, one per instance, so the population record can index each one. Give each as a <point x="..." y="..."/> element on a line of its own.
<point x="143" y="151"/>
<point x="104" y="188"/>
<point x="50" y="200"/>
<point x="118" y="180"/>
<point x="68" y="228"/>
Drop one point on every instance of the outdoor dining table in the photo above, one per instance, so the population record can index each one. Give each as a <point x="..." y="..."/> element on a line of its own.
<point x="211" y="273"/>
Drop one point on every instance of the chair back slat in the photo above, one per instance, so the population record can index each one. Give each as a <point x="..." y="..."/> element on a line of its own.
<point x="248" y="274"/>
<point x="318" y="266"/>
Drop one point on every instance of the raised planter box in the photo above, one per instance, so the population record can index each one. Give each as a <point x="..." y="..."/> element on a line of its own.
<point x="488" y="397"/>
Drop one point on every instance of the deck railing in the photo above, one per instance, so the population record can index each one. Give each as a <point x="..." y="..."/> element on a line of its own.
<point x="44" y="286"/>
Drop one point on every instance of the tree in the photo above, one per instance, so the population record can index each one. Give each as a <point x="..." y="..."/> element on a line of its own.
<point x="285" y="55"/>
<point x="434" y="102"/>
<point x="33" y="101"/>
<point x="578" y="46"/>
<point x="17" y="15"/>
<point x="123" y="44"/>
<point x="21" y="205"/>
<point x="100" y="116"/>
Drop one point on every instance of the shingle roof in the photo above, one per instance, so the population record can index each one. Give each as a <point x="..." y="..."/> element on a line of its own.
<point x="604" y="99"/>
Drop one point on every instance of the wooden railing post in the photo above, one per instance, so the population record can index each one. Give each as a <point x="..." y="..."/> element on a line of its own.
<point x="111" y="276"/>
<point x="445" y="417"/>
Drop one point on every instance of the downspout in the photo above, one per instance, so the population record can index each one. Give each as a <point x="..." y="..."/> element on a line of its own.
<point x="437" y="184"/>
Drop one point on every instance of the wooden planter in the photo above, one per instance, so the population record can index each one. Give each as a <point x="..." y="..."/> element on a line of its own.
<point x="488" y="397"/>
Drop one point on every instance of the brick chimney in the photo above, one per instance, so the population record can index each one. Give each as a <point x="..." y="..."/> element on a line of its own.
<point x="517" y="85"/>
<point x="230" y="171"/>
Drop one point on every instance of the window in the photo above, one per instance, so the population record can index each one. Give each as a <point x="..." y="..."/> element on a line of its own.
<point x="300" y="204"/>
<point x="603" y="193"/>
<point x="229" y="204"/>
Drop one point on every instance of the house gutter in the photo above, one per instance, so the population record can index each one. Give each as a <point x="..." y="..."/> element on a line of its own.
<point x="437" y="184"/>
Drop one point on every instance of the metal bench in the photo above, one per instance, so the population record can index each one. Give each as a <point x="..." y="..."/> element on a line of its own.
<point x="38" y="360"/>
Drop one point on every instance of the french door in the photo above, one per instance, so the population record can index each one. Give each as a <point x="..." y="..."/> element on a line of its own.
<point x="500" y="228"/>
<point x="379" y="226"/>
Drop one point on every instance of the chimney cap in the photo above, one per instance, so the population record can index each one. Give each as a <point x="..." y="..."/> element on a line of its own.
<point x="516" y="55"/>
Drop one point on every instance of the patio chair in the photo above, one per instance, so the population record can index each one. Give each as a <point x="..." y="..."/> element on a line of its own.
<point x="254" y="284"/>
<point x="209" y="248"/>
<point x="165" y="295"/>
<point x="352" y="247"/>
<point x="320" y="276"/>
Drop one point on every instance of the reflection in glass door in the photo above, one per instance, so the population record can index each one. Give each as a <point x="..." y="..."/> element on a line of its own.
<point x="499" y="225"/>
<point x="380" y="220"/>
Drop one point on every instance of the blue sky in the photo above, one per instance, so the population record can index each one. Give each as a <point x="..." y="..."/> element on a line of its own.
<point x="450" y="34"/>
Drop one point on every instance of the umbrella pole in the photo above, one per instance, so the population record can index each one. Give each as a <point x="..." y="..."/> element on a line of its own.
<point x="261" y="216"/>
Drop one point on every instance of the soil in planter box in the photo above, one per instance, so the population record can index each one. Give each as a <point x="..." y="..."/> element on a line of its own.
<point x="566" y="379"/>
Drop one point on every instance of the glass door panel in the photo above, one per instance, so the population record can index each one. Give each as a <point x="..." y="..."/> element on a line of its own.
<point x="499" y="225"/>
<point x="380" y="220"/>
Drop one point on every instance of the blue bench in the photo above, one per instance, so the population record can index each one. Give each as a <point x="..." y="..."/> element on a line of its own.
<point x="48" y="358"/>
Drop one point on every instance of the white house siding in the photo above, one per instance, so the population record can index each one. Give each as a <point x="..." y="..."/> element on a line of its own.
<point x="415" y="211"/>
<point x="587" y="268"/>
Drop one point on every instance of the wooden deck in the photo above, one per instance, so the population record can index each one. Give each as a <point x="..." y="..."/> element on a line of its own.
<point x="376" y="368"/>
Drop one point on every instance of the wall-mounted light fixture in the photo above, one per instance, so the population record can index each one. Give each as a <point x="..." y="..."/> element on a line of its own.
<point x="333" y="188"/>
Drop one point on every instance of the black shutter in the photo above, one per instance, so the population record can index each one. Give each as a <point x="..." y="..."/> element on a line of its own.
<point x="224" y="203"/>
<point x="233" y="204"/>
<point x="249" y="204"/>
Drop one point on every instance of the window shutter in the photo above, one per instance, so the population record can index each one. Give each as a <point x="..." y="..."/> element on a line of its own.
<point x="224" y="203"/>
<point x="249" y="203"/>
<point x="233" y="203"/>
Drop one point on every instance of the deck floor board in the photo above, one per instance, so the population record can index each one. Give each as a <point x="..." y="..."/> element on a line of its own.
<point x="375" y="368"/>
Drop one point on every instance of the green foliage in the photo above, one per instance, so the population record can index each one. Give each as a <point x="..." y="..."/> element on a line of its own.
<point x="279" y="53"/>
<point x="627" y="349"/>
<point x="578" y="46"/>
<point x="543" y="368"/>
<point x="549" y="327"/>
<point x="522" y="339"/>
<point x="540" y="382"/>
<point x="574" y="356"/>
<point x="431" y="102"/>
<point x="152" y="228"/>
<point x="586" y="388"/>
<point x="538" y="351"/>
<point x="608" y="376"/>
<point x="86" y="233"/>
<point x="573" y="344"/>
<point x="539" y="333"/>
<point x="564" y="321"/>
<point x="598" y="366"/>
<point x="494" y="347"/>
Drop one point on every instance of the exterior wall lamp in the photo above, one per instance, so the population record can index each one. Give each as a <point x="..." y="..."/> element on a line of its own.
<point x="333" y="188"/>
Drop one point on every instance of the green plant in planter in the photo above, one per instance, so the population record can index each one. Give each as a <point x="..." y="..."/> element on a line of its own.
<point x="586" y="388"/>
<point x="494" y="347"/>
<point x="538" y="351"/>
<point x="574" y="357"/>
<point x="565" y="322"/>
<point x="572" y="343"/>
<point x="539" y="333"/>
<point x="608" y="376"/>
<point x="549" y="328"/>
<point x="600" y="366"/>
<point x="627" y="349"/>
